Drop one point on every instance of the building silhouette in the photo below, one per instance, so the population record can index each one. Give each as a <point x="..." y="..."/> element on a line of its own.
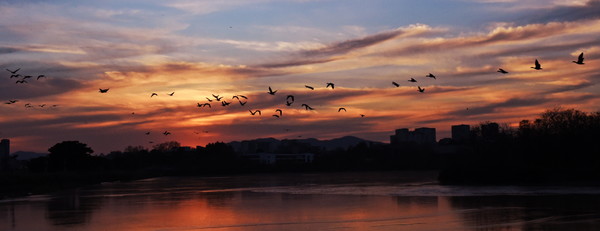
<point x="461" y="133"/>
<point x="423" y="135"/>
<point x="490" y="130"/>
<point x="4" y="154"/>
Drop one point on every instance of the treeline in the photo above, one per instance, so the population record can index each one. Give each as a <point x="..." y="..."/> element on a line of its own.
<point x="561" y="146"/>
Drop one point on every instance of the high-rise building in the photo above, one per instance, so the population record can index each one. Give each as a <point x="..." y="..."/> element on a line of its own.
<point x="490" y="130"/>
<point x="419" y="136"/>
<point x="461" y="133"/>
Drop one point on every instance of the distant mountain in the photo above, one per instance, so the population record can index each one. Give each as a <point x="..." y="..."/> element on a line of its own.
<point x="21" y="155"/>
<point x="343" y="142"/>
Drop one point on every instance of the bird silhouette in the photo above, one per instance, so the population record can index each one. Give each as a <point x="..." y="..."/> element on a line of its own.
<point x="224" y="103"/>
<point x="15" y="76"/>
<point x="430" y="76"/>
<point x="287" y="103"/>
<point x="309" y="87"/>
<point x="306" y="106"/>
<point x="217" y="97"/>
<point x="21" y="81"/>
<point x="200" y="105"/>
<point x="396" y="84"/>
<point x="340" y="109"/>
<point x="13" y="72"/>
<point x="537" y="65"/>
<point x="362" y="115"/>
<point x="330" y="84"/>
<point x="147" y="133"/>
<point x="280" y="112"/>
<point x="12" y="101"/>
<point x="171" y="94"/>
<point x="40" y="76"/>
<point x="153" y="94"/>
<point x="421" y="89"/>
<point x="502" y="71"/>
<point x="412" y="80"/>
<point x="27" y="105"/>
<point x="166" y="133"/>
<point x="243" y="103"/>
<point x="209" y="100"/>
<point x="254" y="112"/>
<point x="42" y="105"/>
<point x="235" y="97"/>
<point x="579" y="59"/>
<point x="27" y="77"/>
<point x="243" y="96"/>
<point x="276" y="116"/>
<point x="103" y="90"/>
<point x="290" y="97"/>
<point x="271" y="92"/>
<point x="206" y="104"/>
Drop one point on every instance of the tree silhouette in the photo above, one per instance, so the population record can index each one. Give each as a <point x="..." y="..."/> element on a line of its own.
<point x="69" y="155"/>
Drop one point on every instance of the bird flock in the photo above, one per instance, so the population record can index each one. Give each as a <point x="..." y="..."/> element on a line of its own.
<point x="242" y="99"/>
<point x="22" y="79"/>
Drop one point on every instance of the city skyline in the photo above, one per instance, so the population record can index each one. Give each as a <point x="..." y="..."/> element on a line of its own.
<point x="187" y="51"/>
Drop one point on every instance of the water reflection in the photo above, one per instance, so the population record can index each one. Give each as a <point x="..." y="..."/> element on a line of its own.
<point x="293" y="202"/>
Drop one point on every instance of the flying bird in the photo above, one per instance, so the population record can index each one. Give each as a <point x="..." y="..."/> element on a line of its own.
<point x="502" y="71"/>
<point x="340" y="109"/>
<point x="103" y="90"/>
<point x="243" y="103"/>
<point x="12" y="101"/>
<point x="40" y="76"/>
<point x="204" y="105"/>
<point x="579" y="59"/>
<point x="280" y="112"/>
<point x="362" y="115"/>
<point x="27" y="105"/>
<point x="430" y="76"/>
<point x="396" y="84"/>
<point x="217" y="97"/>
<point x="421" y="89"/>
<point x="166" y="133"/>
<point x="171" y="94"/>
<point x="237" y="97"/>
<point x="276" y="116"/>
<point x="13" y="72"/>
<point x="21" y="81"/>
<point x="209" y="100"/>
<point x="153" y="94"/>
<point x="27" y="77"/>
<point x="15" y="76"/>
<point x="42" y="105"/>
<point x="330" y="84"/>
<point x="309" y="87"/>
<point x="537" y="65"/>
<point x="412" y="80"/>
<point x="224" y="103"/>
<point x="271" y="92"/>
<point x="251" y="112"/>
<point x="290" y="97"/>
<point x="306" y="106"/>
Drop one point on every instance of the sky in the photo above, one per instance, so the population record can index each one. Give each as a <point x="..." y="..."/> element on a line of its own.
<point x="197" y="48"/>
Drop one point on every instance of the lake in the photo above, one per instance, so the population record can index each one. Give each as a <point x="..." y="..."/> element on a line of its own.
<point x="314" y="201"/>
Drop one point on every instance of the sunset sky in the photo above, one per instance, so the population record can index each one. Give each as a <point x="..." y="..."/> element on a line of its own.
<point x="197" y="48"/>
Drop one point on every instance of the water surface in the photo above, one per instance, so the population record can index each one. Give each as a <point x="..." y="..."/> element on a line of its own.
<point x="327" y="201"/>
